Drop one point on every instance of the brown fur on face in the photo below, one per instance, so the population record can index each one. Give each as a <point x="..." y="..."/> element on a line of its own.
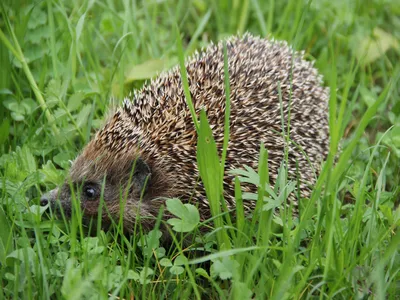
<point x="128" y="180"/>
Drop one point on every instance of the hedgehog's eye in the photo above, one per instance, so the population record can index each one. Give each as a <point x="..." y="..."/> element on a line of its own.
<point x="90" y="192"/>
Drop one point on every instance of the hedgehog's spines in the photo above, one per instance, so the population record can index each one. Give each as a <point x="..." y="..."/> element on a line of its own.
<point x="155" y="124"/>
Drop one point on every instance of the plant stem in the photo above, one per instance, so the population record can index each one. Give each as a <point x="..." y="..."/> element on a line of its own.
<point x="17" y="52"/>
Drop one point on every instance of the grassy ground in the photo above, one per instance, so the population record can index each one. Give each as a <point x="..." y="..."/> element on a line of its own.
<point x="62" y="62"/>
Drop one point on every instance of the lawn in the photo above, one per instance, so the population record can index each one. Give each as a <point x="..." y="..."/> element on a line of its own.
<point x="66" y="64"/>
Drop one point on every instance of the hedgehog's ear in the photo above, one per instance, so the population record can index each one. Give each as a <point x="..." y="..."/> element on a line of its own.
<point x="141" y="175"/>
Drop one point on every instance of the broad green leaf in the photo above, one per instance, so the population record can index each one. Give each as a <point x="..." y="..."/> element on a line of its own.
<point x="37" y="18"/>
<point x="26" y="159"/>
<point x="176" y="270"/>
<point x="38" y="35"/>
<point x="61" y="258"/>
<point x="146" y="70"/>
<point x="150" y="242"/>
<point x="180" y="260"/>
<point x="29" y="105"/>
<point x="144" y="274"/>
<point x="241" y="290"/>
<point x="114" y="278"/>
<point x="35" y="52"/>
<point x="133" y="275"/>
<point x="51" y="174"/>
<point x="37" y="210"/>
<point x="224" y="268"/>
<point x="17" y="116"/>
<point x="62" y="159"/>
<point x="13" y="105"/>
<point x="188" y="215"/>
<point x="5" y="92"/>
<point x="75" y="101"/>
<point x="93" y="245"/>
<point x="53" y="92"/>
<point x="202" y="272"/>
<point x="10" y="187"/>
<point x="22" y="254"/>
<point x="373" y="47"/>
<point x="392" y="139"/>
<point x="83" y="115"/>
<point x="165" y="262"/>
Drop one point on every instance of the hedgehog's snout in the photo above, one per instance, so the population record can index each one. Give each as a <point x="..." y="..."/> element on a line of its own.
<point x="49" y="198"/>
<point x="44" y="200"/>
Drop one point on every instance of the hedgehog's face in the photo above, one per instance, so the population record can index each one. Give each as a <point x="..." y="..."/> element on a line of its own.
<point x="104" y="186"/>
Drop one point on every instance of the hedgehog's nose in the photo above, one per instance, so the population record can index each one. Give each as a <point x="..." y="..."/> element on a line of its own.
<point x="44" y="200"/>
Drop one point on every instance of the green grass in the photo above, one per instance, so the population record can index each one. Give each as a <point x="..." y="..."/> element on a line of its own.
<point x="61" y="63"/>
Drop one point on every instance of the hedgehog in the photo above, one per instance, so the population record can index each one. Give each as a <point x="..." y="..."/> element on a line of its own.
<point x="146" y="151"/>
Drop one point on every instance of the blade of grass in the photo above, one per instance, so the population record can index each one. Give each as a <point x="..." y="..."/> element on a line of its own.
<point x="226" y="130"/>
<point x="17" y="51"/>
<point x="199" y="30"/>
<point x="227" y="110"/>
<point x="209" y="169"/>
<point x="260" y="17"/>
<point x="244" y="15"/>
<point x="240" y="221"/>
<point x="184" y="78"/>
